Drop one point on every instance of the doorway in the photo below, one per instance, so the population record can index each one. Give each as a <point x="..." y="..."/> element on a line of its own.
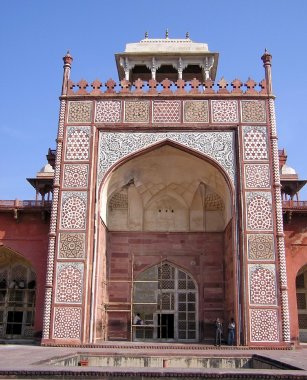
<point x="166" y="298"/>
<point x="165" y="326"/>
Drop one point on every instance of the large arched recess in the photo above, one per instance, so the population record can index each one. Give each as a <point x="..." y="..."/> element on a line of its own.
<point x="165" y="203"/>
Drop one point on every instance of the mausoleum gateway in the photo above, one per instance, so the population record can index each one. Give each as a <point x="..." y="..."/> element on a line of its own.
<point x="170" y="199"/>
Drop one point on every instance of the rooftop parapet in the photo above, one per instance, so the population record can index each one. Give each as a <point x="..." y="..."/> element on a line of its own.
<point x="167" y="87"/>
<point x="16" y="207"/>
<point x="193" y="84"/>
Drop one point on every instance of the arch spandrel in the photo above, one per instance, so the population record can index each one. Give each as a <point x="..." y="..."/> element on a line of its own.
<point x="115" y="146"/>
<point x="161" y="184"/>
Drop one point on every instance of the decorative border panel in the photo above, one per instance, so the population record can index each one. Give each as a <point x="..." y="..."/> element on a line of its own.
<point x="71" y="245"/>
<point x="73" y="210"/>
<point x="108" y="111"/>
<point x="260" y="247"/>
<point x="279" y="227"/>
<point x="264" y="325"/>
<point x="262" y="284"/>
<point x="255" y="143"/>
<point x="79" y="112"/>
<point x="114" y="146"/>
<point x="253" y="111"/>
<point x="69" y="283"/>
<point x="53" y="226"/>
<point x="75" y="175"/>
<point x="77" y="143"/>
<point x="224" y="111"/>
<point x="195" y="111"/>
<point x="259" y="211"/>
<point x="136" y="111"/>
<point x="257" y="176"/>
<point x="166" y="111"/>
<point x="67" y="323"/>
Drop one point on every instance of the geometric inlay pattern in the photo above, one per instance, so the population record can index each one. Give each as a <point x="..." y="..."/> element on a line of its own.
<point x="264" y="325"/>
<point x="75" y="175"/>
<point x="69" y="282"/>
<point x="255" y="143"/>
<point x="259" y="210"/>
<point x="260" y="247"/>
<point x="79" y="112"/>
<point x="67" y="322"/>
<point x="196" y="111"/>
<point x="71" y="245"/>
<point x="77" y="143"/>
<point x="224" y="111"/>
<point x="73" y="212"/>
<point x="166" y="111"/>
<point x="257" y="176"/>
<point x="136" y="112"/>
<point x="262" y="284"/>
<point x="113" y="146"/>
<point x="253" y="111"/>
<point x="108" y="111"/>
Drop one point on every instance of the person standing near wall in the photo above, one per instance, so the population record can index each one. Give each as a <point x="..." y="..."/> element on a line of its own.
<point x="231" y="332"/>
<point x="218" y="332"/>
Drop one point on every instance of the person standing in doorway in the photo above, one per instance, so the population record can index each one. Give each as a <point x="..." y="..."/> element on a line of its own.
<point x="231" y="332"/>
<point x="218" y="332"/>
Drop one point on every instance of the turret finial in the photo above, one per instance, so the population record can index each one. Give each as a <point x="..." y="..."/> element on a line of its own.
<point x="67" y="66"/>
<point x="146" y="35"/>
<point x="187" y="35"/>
<point x="267" y="63"/>
<point x="166" y="33"/>
<point x="68" y="58"/>
<point x="267" y="57"/>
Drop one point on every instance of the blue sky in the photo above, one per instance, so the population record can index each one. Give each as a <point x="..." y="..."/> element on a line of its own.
<point x="35" y="34"/>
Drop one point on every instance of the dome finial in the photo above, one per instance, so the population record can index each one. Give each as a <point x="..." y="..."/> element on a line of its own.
<point x="146" y="35"/>
<point x="187" y="35"/>
<point x="166" y="33"/>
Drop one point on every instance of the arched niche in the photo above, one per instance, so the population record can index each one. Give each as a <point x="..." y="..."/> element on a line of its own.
<point x="166" y="189"/>
<point x="17" y="296"/>
<point x="301" y="297"/>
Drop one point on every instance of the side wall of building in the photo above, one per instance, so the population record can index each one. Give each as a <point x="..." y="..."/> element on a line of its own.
<point x="27" y="236"/>
<point x="296" y="256"/>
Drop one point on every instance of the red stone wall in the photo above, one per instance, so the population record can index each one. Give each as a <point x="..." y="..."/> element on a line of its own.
<point x="296" y="258"/>
<point x="28" y="236"/>
<point x="229" y="308"/>
<point x="200" y="254"/>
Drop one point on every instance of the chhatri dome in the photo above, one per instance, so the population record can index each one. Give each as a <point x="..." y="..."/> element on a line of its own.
<point x="171" y="58"/>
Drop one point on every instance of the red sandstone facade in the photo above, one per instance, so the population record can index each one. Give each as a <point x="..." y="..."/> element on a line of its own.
<point x="166" y="203"/>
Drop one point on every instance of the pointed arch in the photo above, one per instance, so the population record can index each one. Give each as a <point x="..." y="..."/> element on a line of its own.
<point x="123" y="248"/>
<point x="17" y="295"/>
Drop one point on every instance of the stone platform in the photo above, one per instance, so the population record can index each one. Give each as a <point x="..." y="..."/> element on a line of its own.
<point x="37" y="362"/>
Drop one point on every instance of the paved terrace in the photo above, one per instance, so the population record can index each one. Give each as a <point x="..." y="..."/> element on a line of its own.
<point x="31" y="361"/>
